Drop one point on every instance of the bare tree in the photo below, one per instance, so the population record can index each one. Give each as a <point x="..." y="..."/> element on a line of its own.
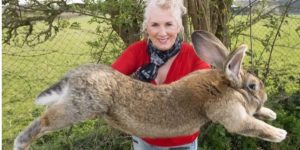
<point x="21" y="19"/>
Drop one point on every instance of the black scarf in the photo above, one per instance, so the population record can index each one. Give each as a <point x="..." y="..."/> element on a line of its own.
<point x="148" y="72"/>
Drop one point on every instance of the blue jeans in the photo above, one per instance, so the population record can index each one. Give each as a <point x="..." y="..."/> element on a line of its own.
<point x="139" y="144"/>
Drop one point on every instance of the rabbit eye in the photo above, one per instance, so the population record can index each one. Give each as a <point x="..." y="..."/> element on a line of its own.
<point x="252" y="86"/>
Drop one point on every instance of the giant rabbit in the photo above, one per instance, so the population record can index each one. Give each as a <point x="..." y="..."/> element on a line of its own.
<point x="227" y="95"/>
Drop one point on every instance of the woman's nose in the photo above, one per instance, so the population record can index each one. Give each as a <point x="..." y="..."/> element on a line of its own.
<point x="162" y="31"/>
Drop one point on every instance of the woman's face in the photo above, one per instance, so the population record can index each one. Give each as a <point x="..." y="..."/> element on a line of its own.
<point x="162" y="28"/>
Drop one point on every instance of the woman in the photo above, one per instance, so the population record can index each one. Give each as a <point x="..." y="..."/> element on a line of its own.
<point x="161" y="59"/>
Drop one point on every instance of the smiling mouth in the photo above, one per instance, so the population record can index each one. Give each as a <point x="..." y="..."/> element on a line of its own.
<point x="162" y="40"/>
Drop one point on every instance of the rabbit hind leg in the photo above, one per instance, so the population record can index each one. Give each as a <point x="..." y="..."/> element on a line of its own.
<point x="57" y="116"/>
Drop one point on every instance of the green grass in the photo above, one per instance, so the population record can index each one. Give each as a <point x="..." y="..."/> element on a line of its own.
<point x="28" y="70"/>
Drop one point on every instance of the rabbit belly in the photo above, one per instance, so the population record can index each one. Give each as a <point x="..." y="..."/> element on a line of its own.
<point x="155" y="128"/>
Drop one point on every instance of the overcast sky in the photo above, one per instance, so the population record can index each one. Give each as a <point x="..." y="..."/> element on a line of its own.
<point x="23" y="2"/>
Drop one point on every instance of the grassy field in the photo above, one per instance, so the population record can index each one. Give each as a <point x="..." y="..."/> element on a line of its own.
<point x="28" y="70"/>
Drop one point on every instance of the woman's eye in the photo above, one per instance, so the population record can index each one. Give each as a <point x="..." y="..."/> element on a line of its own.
<point x="154" y="25"/>
<point x="169" y="24"/>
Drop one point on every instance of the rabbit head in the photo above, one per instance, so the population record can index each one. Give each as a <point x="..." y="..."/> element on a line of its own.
<point x="241" y="116"/>
<point x="210" y="49"/>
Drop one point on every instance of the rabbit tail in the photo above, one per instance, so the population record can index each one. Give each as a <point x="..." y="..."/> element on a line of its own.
<point x="54" y="93"/>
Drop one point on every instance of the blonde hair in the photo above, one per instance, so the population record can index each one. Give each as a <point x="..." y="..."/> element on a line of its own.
<point x="176" y="6"/>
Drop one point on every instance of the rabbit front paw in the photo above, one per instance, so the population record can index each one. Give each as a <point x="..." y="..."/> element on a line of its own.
<point x="266" y="114"/>
<point x="270" y="113"/>
<point x="279" y="135"/>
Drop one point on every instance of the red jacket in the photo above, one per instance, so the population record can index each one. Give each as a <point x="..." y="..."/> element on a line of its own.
<point x="185" y="62"/>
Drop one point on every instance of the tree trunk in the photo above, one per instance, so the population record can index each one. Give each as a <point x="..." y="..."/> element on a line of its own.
<point x="185" y="22"/>
<point x="210" y="15"/>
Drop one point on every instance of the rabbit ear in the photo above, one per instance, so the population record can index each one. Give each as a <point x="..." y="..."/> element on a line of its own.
<point x="209" y="48"/>
<point x="233" y="65"/>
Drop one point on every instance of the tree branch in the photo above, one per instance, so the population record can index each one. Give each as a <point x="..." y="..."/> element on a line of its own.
<point x="267" y="66"/>
<point x="17" y="18"/>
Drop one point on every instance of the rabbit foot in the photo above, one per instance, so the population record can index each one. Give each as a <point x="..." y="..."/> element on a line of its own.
<point x="271" y="114"/>
<point x="279" y="135"/>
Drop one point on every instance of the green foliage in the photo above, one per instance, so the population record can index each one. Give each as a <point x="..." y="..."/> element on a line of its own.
<point x="215" y="139"/>
<point x="117" y="22"/>
<point x="124" y="17"/>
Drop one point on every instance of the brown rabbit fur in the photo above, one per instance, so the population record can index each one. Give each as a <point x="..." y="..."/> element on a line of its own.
<point x="226" y="95"/>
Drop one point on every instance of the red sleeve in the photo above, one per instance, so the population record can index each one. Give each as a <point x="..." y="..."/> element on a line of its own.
<point x="131" y="59"/>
